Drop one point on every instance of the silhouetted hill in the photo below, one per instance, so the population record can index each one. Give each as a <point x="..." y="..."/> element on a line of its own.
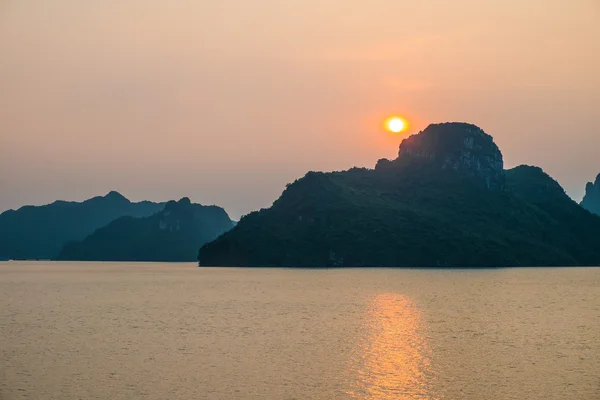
<point x="445" y="201"/>
<point x="591" y="201"/>
<point x="39" y="232"/>
<point x="174" y="234"/>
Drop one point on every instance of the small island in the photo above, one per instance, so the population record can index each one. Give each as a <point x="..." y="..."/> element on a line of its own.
<point x="173" y="234"/>
<point x="39" y="232"/>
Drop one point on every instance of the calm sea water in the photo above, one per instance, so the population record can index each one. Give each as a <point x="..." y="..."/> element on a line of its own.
<point x="174" y="331"/>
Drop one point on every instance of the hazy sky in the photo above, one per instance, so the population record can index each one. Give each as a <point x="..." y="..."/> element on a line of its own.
<point x="227" y="101"/>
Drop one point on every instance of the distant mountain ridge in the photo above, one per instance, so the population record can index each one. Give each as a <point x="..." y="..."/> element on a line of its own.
<point x="39" y="232"/>
<point x="446" y="201"/>
<point x="591" y="201"/>
<point x="173" y="234"/>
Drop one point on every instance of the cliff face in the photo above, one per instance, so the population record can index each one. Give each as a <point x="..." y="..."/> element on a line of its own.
<point x="591" y="201"/>
<point x="40" y="232"/>
<point x="459" y="147"/>
<point x="174" y="234"/>
<point x="445" y="201"/>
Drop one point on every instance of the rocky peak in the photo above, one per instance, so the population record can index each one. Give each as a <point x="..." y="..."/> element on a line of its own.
<point x="115" y="196"/>
<point x="176" y="213"/>
<point x="596" y="184"/>
<point x="457" y="146"/>
<point x="591" y="201"/>
<point x="182" y="204"/>
<point x="111" y="197"/>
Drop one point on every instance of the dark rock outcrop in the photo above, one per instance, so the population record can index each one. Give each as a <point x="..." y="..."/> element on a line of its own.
<point x="459" y="147"/>
<point x="445" y="201"/>
<point x="591" y="201"/>
<point x="173" y="234"/>
<point x="39" y="232"/>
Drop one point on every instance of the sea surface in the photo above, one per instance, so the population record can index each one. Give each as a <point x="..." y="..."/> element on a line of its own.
<point x="175" y="331"/>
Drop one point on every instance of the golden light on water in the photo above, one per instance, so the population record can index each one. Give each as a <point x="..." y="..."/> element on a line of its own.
<point x="396" y="124"/>
<point x="393" y="359"/>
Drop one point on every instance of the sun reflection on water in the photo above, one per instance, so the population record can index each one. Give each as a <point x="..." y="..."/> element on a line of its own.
<point x="392" y="360"/>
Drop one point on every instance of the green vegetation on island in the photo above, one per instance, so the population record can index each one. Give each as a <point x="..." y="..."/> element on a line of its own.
<point x="446" y="201"/>
<point x="39" y="232"/>
<point x="173" y="234"/>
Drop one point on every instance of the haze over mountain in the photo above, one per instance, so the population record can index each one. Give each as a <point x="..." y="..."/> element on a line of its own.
<point x="173" y="234"/>
<point x="39" y="232"/>
<point x="444" y="201"/>
<point x="591" y="201"/>
<point x="263" y="91"/>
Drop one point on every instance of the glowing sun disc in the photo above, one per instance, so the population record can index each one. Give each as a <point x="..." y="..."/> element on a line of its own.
<point x="395" y="124"/>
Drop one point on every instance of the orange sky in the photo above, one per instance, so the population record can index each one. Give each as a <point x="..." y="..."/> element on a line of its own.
<point x="227" y="101"/>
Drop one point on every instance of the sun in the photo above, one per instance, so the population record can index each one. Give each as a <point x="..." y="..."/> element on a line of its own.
<point x="395" y="124"/>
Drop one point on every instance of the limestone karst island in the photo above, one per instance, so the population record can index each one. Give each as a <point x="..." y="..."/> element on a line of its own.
<point x="445" y="201"/>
